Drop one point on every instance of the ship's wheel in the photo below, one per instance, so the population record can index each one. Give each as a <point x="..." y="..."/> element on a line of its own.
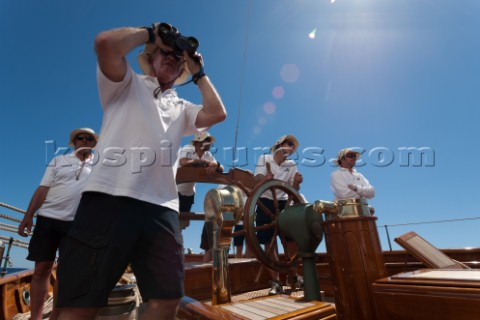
<point x="290" y="257"/>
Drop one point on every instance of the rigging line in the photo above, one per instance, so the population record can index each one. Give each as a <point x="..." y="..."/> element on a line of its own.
<point x="9" y="218"/>
<point x="8" y="226"/>
<point x="242" y="78"/>
<point x="9" y="230"/>
<point x="433" y="221"/>
<point x="14" y="240"/>
<point x="12" y="208"/>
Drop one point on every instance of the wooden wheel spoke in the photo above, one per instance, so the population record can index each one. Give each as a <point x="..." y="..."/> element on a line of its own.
<point x="268" y="254"/>
<point x="275" y="201"/>
<point x="265" y="226"/>
<point x="266" y="210"/>
<point x="289" y="201"/>
<point x="273" y="243"/>
<point x="239" y="233"/>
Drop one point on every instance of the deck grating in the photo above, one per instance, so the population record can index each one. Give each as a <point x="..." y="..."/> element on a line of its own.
<point x="266" y="308"/>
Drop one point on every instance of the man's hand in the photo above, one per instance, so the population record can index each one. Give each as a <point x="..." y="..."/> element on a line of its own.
<point x="298" y="178"/>
<point x="211" y="168"/>
<point x="27" y="224"/>
<point x="195" y="63"/>
<point x="158" y="40"/>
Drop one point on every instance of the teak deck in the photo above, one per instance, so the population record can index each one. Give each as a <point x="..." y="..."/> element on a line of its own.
<point x="274" y="308"/>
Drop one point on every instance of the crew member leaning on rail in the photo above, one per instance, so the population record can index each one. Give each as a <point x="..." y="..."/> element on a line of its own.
<point x="346" y="182"/>
<point x="55" y="201"/>
<point x="197" y="154"/>
<point x="128" y="213"/>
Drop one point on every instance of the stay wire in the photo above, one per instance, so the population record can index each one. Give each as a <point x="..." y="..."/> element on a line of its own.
<point x="242" y="78"/>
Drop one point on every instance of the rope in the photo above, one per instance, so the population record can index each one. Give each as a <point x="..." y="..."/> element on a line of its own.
<point x="428" y="222"/>
<point x="18" y="243"/>
<point x="244" y="59"/>
<point x="14" y="230"/>
<point x="12" y="208"/>
<point x="8" y="226"/>
<point x="47" y="310"/>
<point x="9" y="218"/>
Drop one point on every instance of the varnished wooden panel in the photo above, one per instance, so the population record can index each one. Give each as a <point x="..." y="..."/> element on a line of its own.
<point x="417" y="298"/>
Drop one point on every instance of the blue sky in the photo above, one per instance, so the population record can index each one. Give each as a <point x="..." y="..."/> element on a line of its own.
<point x="379" y="75"/>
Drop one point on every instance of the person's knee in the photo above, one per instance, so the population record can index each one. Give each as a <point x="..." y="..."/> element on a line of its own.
<point x="43" y="269"/>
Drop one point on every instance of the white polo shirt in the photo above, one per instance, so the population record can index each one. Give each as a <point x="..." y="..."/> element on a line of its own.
<point x="285" y="172"/>
<point x="342" y="177"/>
<point x="139" y="139"/>
<point x="66" y="177"/>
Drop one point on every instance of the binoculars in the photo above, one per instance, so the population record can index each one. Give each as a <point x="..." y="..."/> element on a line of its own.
<point x="174" y="39"/>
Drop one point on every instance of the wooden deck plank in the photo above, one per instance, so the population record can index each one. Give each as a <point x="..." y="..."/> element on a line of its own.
<point x="250" y="308"/>
<point x="249" y="315"/>
<point x="295" y="304"/>
<point x="267" y="308"/>
<point x="271" y="303"/>
<point x="264" y="306"/>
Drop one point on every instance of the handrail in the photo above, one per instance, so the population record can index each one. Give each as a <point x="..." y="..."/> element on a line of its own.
<point x="242" y="178"/>
<point x="191" y="216"/>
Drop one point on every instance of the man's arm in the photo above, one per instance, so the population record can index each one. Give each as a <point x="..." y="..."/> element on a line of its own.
<point x="113" y="46"/>
<point x="262" y="170"/>
<point x="365" y="189"/>
<point x="339" y="186"/>
<point x="186" y="162"/>
<point x="35" y="203"/>
<point x="213" y="110"/>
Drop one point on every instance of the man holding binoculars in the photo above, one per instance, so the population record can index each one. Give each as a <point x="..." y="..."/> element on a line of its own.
<point x="128" y="211"/>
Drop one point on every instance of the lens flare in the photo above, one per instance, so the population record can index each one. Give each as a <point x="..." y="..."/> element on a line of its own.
<point x="269" y="108"/>
<point x="311" y="35"/>
<point x="289" y="73"/>
<point x="278" y="92"/>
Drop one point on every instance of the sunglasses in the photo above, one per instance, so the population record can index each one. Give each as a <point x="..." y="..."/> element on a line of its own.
<point x="84" y="138"/>
<point x="289" y="143"/>
<point x="350" y="155"/>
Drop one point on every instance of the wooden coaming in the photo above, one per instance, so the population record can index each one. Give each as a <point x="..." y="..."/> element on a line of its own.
<point x="198" y="275"/>
<point x="408" y="296"/>
<point x="13" y="287"/>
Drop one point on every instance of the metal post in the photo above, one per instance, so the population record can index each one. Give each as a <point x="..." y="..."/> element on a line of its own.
<point x="7" y="257"/>
<point x="388" y="238"/>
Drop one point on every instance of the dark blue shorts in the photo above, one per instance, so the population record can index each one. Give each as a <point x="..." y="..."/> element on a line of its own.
<point x="238" y="240"/>
<point x="48" y="236"/>
<point x="107" y="235"/>
<point x="206" y="242"/>
<point x="261" y="218"/>
<point x="186" y="202"/>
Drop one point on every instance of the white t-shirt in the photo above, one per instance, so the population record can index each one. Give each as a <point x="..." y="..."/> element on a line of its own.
<point x="285" y="172"/>
<point x="188" y="151"/>
<point x="342" y="177"/>
<point x="140" y="138"/>
<point x="65" y="190"/>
